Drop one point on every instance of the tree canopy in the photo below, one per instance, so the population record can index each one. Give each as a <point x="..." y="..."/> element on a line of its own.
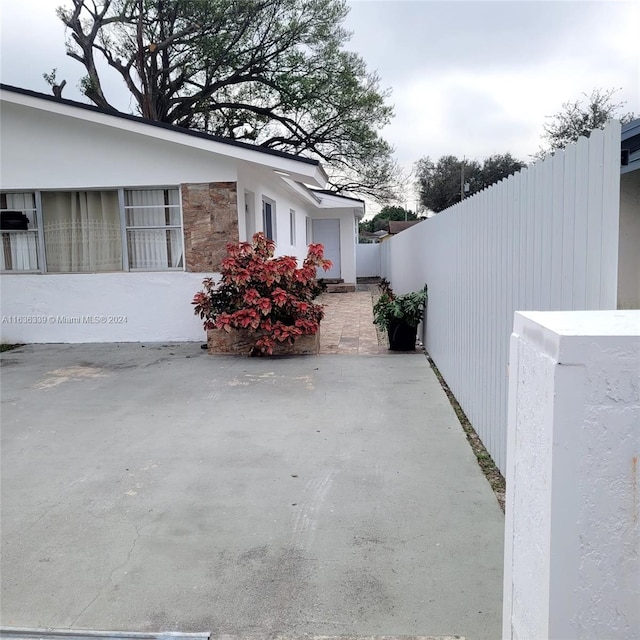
<point x="580" y="117"/>
<point x="439" y="183"/>
<point x="270" y="72"/>
<point x="385" y="214"/>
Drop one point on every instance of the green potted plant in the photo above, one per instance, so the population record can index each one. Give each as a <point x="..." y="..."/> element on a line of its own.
<point x="263" y="305"/>
<point x="400" y="315"/>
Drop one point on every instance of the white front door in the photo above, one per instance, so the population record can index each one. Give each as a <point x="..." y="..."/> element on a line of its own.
<point x="327" y="233"/>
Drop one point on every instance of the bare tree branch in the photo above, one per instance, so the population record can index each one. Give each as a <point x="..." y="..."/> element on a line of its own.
<point x="272" y="72"/>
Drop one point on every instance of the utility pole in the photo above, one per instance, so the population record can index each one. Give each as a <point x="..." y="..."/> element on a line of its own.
<point x="462" y="179"/>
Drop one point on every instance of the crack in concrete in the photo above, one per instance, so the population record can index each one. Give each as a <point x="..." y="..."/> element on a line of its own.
<point x="108" y="581"/>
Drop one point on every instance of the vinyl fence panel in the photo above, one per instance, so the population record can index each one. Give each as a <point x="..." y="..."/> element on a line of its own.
<point x="544" y="239"/>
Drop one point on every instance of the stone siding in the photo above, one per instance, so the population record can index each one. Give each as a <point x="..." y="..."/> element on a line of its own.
<point x="210" y="214"/>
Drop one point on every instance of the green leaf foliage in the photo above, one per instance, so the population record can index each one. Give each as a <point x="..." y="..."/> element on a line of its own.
<point x="408" y="307"/>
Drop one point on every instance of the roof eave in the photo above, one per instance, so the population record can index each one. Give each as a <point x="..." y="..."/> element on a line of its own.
<point x="335" y="201"/>
<point x="302" y="169"/>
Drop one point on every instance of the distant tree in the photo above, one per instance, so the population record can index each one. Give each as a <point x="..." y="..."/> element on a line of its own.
<point x="497" y="167"/>
<point x="439" y="183"/>
<point x="380" y="220"/>
<point x="275" y="73"/>
<point x="579" y="118"/>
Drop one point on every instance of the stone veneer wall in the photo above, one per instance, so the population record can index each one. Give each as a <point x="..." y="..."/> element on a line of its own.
<point x="210" y="215"/>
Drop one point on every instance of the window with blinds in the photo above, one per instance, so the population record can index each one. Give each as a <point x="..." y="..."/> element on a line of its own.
<point x="19" y="231"/>
<point x="154" y="229"/>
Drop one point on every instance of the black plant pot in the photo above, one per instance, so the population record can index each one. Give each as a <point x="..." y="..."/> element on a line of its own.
<point x="402" y="337"/>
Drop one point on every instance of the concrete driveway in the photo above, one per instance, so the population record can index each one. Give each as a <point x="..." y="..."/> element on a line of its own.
<point x="155" y="488"/>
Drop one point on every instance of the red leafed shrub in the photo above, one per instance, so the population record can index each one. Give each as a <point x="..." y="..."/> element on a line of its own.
<point x="270" y="296"/>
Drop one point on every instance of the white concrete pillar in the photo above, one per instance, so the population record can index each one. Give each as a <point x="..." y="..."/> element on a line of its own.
<point x="572" y="529"/>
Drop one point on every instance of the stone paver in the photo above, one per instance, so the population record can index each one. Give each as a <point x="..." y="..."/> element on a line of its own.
<point x="348" y="326"/>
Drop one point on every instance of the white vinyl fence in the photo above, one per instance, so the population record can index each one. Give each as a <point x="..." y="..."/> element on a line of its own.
<point x="368" y="260"/>
<point x="544" y="239"/>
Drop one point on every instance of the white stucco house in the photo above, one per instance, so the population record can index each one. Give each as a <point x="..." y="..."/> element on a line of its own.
<point x="110" y="221"/>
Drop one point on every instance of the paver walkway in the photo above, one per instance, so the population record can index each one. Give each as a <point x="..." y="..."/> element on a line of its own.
<point x="347" y="327"/>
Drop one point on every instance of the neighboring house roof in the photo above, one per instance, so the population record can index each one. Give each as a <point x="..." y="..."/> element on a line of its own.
<point x="298" y="167"/>
<point x="396" y="226"/>
<point x="630" y="141"/>
<point x="376" y="236"/>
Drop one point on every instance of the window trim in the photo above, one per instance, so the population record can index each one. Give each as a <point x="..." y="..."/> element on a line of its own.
<point x="308" y="224"/>
<point x="123" y="232"/>
<point x="292" y="227"/>
<point x="42" y="263"/>
<point x="274" y="227"/>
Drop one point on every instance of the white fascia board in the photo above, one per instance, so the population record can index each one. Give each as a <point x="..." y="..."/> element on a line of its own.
<point x="328" y="201"/>
<point x="312" y="174"/>
<point x="323" y="200"/>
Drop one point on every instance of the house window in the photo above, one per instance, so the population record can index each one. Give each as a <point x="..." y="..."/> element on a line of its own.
<point x="92" y="231"/>
<point x="309" y="230"/>
<point x="269" y="218"/>
<point x="292" y="227"/>
<point x="154" y="229"/>
<point x="19" y="228"/>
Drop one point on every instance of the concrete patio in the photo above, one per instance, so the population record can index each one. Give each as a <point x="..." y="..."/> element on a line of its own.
<point x="155" y="488"/>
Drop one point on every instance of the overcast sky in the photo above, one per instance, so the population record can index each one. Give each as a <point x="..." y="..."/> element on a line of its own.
<point x="467" y="78"/>
<point x="476" y="78"/>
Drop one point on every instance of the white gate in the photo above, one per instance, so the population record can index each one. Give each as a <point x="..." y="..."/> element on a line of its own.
<point x="368" y="260"/>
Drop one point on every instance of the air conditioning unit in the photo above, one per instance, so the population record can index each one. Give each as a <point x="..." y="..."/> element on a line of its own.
<point x="13" y="221"/>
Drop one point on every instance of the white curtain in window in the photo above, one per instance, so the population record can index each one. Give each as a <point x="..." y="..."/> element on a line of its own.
<point x="82" y="231"/>
<point x="18" y="251"/>
<point x="153" y="248"/>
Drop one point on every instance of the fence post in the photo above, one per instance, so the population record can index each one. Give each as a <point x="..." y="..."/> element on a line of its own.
<point x="572" y="530"/>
